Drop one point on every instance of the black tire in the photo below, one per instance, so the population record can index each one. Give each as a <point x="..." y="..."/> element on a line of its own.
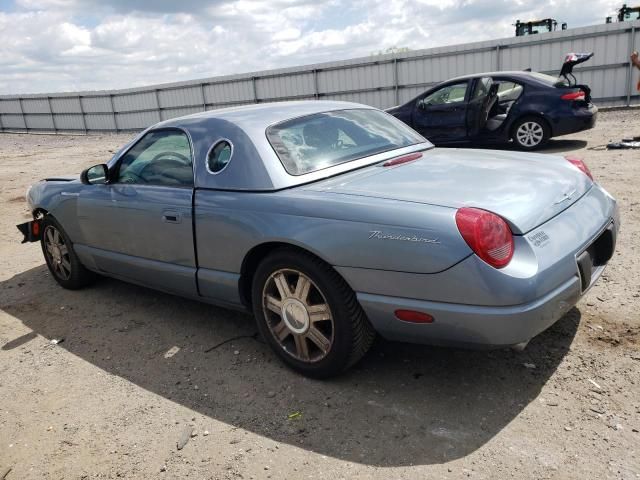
<point x="65" y="266"/>
<point x="351" y="333"/>
<point x="530" y="133"/>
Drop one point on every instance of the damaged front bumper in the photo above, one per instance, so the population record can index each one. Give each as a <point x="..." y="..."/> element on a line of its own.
<point x="32" y="231"/>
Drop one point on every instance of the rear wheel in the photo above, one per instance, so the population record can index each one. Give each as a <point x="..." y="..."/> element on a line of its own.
<point x="62" y="261"/>
<point x="308" y="314"/>
<point x="530" y="133"/>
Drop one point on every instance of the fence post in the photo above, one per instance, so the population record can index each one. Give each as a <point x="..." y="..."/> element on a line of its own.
<point x="632" y="43"/>
<point x="1" y="127"/>
<point x="497" y="58"/>
<point x="84" y="120"/>
<point x="255" y="91"/>
<point x="204" y="100"/>
<point x="113" y="110"/>
<point x="53" y="118"/>
<point x="395" y="80"/>
<point x="24" y="119"/>
<point x="158" y="105"/>
<point x="316" y="92"/>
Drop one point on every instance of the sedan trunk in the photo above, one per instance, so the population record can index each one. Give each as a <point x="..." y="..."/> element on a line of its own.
<point x="525" y="189"/>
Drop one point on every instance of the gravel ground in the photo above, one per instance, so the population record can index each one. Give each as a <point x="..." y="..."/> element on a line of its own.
<point x="138" y="371"/>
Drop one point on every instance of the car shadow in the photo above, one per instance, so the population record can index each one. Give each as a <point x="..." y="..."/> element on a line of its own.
<point x="563" y="145"/>
<point x="434" y="404"/>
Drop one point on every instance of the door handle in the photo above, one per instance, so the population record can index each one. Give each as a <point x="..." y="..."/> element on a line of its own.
<point x="171" y="217"/>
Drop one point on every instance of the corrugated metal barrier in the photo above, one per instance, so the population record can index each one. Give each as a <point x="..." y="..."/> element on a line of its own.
<point x="381" y="81"/>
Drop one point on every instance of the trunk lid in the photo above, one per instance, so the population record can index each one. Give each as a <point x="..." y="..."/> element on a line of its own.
<point x="523" y="188"/>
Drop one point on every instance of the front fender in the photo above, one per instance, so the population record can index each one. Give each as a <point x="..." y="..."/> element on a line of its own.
<point x="59" y="199"/>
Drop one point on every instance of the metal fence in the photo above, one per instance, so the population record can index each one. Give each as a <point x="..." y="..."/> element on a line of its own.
<point x="381" y="81"/>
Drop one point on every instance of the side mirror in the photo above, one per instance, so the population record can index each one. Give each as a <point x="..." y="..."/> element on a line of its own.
<point x="96" y="175"/>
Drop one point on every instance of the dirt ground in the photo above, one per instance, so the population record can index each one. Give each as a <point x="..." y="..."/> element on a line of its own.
<point x="114" y="398"/>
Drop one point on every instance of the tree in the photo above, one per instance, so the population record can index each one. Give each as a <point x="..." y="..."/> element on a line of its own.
<point x="389" y="50"/>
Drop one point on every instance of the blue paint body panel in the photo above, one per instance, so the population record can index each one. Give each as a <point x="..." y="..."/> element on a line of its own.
<point x="390" y="232"/>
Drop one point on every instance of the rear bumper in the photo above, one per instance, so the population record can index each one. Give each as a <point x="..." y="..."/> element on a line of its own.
<point x="575" y="121"/>
<point x="470" y="325"/>
<point x="489" y="326"/>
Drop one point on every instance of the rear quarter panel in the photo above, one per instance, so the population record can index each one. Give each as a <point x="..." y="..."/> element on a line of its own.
<point x="343" y="230"/>
<point x="541" y="101"/>
<point x="544" y="259"/>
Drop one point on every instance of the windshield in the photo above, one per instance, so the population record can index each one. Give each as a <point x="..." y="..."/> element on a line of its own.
<point x="322" y="140"/>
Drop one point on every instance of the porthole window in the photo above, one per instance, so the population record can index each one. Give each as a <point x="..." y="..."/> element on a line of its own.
<point x="219" y="156"/>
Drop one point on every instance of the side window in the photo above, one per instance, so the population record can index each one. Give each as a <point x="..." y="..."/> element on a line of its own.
<point x="482" y="87"/>
<point x="450" y="94"/>
<point x="159" y="158"/>
<point x="219" y="156"/>
<point x="508" y="91"/>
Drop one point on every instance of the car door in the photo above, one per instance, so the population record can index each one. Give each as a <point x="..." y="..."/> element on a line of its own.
<point x="440" y="116"/>
<point x="481" y="101"/>
<point x="139" y="226"/>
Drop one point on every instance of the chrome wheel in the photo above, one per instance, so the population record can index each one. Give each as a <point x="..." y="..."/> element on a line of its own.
<point x="530" y="134"/>
<point x="298" y="315"/>
<point x="57" y="253"/>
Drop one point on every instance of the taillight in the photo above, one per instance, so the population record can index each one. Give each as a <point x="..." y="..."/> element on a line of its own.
<point x="579" y="95"/>
<point x="580" y="165"/>
<point x="487" y="234"/>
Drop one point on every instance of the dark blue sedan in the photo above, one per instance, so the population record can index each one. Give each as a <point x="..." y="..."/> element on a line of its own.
<point x="526" y="107"/>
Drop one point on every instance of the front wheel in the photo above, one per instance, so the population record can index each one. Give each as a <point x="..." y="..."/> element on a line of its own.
<point x="308" y="314"/>
<point x="530" y="133"/>
<point x="62" y="261"/>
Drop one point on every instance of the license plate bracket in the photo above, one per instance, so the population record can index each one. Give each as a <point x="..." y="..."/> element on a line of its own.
<point x="597" y="254"/>
<point x="585" y="267"/>
<point x="31" y="231"/>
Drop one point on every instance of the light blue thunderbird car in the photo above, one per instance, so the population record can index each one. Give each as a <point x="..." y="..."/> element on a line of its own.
<point x="332" y="221"/>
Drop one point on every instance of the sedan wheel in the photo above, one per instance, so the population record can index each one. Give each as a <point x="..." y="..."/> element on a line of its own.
<point x="298" y="315"/>
<point x="530" y="133"/>
<point x="308" y="314"/>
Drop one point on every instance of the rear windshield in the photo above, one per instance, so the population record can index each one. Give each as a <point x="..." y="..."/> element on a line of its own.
<point x="549" y="80"/>
<point x="322" y="140"/>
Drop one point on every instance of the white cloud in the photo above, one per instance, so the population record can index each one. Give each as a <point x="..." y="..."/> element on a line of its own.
<point x="58" y="45"/>
<point x="288" y="34"/>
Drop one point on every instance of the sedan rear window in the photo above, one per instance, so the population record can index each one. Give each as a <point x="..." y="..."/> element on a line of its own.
<point x="549" y="80"/>
<point x="322" y="140"/>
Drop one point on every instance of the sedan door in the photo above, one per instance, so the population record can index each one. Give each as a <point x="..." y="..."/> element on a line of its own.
<point x="481" y="102"/>
<point x="441" y="115"/>
<point x="139" y="226"/>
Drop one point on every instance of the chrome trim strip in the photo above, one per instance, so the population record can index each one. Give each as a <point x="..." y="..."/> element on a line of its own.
<point x="206" y="158"/>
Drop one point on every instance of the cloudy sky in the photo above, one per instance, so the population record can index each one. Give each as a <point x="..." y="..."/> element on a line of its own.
<point x="67" y="45"/>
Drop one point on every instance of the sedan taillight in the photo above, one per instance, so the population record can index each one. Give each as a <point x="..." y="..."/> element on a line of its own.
<point x="579" y="95"/>
<point x="487" y="234"/>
